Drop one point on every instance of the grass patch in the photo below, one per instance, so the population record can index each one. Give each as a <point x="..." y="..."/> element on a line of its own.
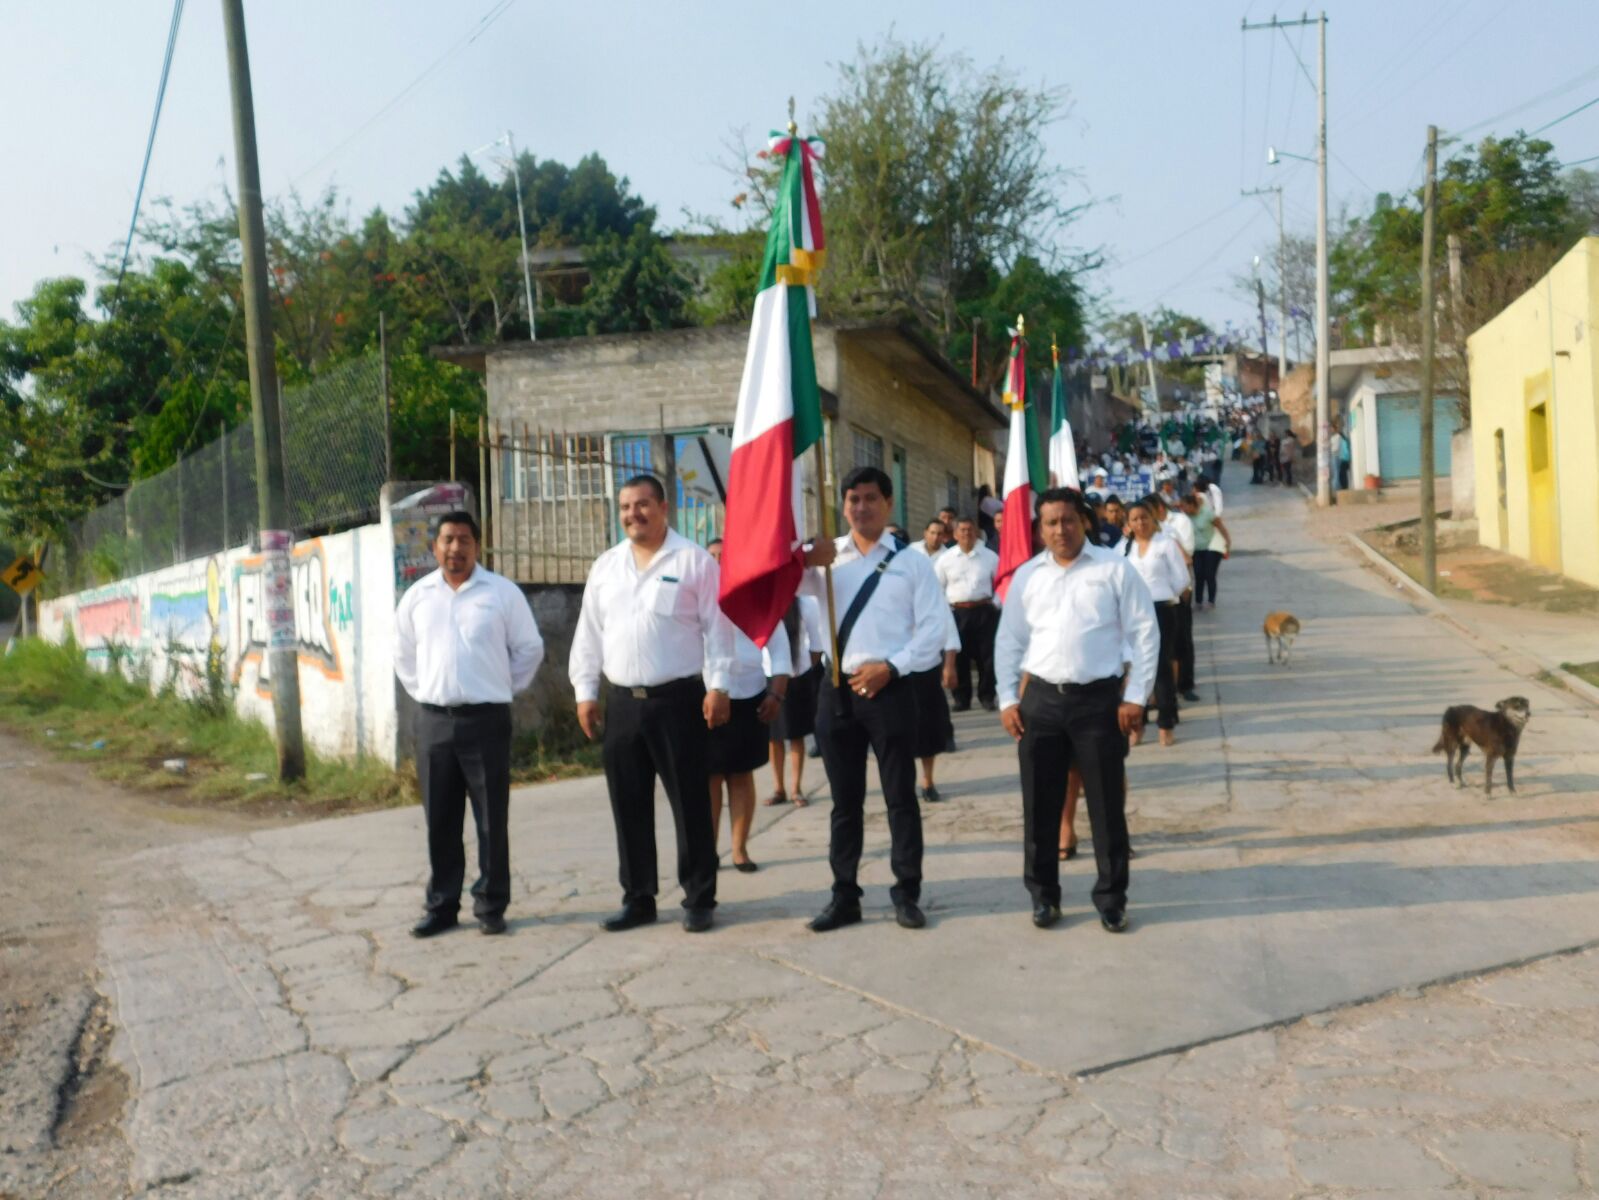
<point x="53" y="695"/>
<point x="1587" y="672"/>
<point x="558" y="750"/>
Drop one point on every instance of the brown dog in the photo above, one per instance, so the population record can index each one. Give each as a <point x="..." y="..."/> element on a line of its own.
<point x="1497" y="733"/>
<point x="1281" y="630"/>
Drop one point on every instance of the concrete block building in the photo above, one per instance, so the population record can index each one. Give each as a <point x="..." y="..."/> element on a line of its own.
<point x="570" y="418"/>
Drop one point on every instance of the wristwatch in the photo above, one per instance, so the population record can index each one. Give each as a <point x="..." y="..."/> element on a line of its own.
<point x="893" y="672"/>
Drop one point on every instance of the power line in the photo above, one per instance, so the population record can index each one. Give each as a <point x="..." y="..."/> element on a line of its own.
<point x="1574" y="82"/>
<point x="1565" y="116"/>
<point x="149" y="145"/>
<point x="477" y="31"/>
<point x="1577" y="162"/>
<point x="1215" y="216"/>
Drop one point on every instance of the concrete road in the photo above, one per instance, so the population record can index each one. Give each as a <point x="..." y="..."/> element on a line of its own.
<point x="1320" y="995"/>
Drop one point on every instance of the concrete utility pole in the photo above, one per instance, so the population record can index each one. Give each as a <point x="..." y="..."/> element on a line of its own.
<point x="1429" y="317"/>
<point x="1282" y="291"/>
<point x="282" y="658"/>
<point x="521" y="222"/>
<point x="1323" y="302"/>
<point x="1154" y="388"/>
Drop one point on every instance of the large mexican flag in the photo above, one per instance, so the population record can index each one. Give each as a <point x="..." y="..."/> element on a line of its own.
<point x="1062" y="450"/>
<point x="1025" y="472"/>
<point x="779" y="413"/>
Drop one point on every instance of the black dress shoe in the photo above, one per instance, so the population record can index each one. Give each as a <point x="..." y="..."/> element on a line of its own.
<point x="696" y="920"/>
<point x="990" y="705"/>
<point x="1114" y="921"/>
<point x="1191" y="696"/>
<point x="909" y="915"/>
<point x="835" y="916"/>
<point x="1045" y="915"/>
<point x="434" y="924"/>
<point x="491" y="925"/>
<point x="748" y="866"/>
<point x="955" y="708"/>
<point x="930" y="794"/>
<point x="631" y="916"/>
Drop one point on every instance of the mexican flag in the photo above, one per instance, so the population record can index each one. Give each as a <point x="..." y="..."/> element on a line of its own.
<point x="1062" y="451"/>
<point x="779" y="413"/>
<point x="1025" y="472"/>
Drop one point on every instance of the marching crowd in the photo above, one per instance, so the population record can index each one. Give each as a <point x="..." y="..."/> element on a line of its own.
<point x="1074" y="649"/>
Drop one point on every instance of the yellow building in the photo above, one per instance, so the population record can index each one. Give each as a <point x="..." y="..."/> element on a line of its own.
<point x="1535" y="420"/>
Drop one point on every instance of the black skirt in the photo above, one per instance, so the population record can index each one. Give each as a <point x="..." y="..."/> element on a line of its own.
<point x="740" y="745"/>
<point x="797" y="720"/>
<point x="935" y="732"/>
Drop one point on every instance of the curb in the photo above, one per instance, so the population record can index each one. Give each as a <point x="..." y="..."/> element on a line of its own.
<point x="1579" y="687"/>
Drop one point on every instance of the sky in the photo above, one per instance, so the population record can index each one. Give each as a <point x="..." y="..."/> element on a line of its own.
<point x="1170" y="107"/>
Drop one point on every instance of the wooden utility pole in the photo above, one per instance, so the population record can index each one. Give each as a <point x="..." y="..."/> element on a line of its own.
<point x="282" y="657"/>
<point x="1429" y="317"/>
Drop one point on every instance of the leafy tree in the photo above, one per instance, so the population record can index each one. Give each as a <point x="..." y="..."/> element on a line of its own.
<point x="936" y="186"/>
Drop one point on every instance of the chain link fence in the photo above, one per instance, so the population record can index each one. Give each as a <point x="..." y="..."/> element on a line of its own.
<point x="335" y="460"/>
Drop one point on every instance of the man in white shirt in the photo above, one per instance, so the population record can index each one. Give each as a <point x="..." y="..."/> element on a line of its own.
<point x="466" y="642"/>
<point x="895" y="630"/>
<point x="932" y="543"/>
<point x="652" y="627"/>
<point x="966" y="573"/>
<point x="1101" y="485"/>
<point x="1073" y="616"/>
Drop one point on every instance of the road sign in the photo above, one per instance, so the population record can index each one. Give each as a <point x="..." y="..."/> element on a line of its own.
<point x="21" y="576"/>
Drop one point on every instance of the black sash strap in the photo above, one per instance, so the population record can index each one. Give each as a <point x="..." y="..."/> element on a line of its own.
<point x="853" y="613"/>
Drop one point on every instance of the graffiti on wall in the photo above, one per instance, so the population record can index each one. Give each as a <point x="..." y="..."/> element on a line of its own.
<point x="412" y="519"/>
<point x="108" y="617"/>
<point x="190" y="610"/>
<point x="314" y="603"/>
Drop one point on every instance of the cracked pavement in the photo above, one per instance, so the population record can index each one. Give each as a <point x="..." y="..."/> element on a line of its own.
<point x="1344" y="977"/>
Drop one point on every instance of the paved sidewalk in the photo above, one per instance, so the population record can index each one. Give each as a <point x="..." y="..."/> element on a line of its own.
<point x="1272" y="1025"/>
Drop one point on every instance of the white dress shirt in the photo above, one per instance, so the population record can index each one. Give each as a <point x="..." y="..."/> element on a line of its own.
<point x="475" y="644"/>
<point x="1077" y="624"/>
<point x="966" y="577"/>
<point x="750" y="662"/>
<point x="1213" y="494"/>
<point x="921" y="548"/>
<point x="643" y="628"/>
<point x="1161" y="567"/>
<point x="809" y="637"/>
<point x="903" y="622"/>
<point x="1179" y="526"/>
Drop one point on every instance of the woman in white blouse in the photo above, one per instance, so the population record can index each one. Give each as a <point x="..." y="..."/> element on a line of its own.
<point x="1159" y="560"/>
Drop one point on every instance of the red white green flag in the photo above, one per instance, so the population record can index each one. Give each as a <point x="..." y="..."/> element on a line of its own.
<point x="1026" y="473"/>
<point x="779" y="413"/>
<point x="1062" y="450"/>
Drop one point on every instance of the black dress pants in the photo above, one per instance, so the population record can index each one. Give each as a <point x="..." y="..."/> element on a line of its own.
<point x="461" y="752"/>
<point x="977" y="626"/>
<point x="1183" y="631"/>
<point x="1075" y="727"/>
<point x="662" y="734"/>
<point x="1207" y="565"/>
<point x="1165" y="691"/>
<point x="886" y="726"/>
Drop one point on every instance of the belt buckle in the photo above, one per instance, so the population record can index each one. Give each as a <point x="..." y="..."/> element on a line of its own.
<point x="639" y="693"/>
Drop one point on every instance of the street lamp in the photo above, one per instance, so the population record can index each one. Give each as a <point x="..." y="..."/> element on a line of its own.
<point x="521" y="218"/>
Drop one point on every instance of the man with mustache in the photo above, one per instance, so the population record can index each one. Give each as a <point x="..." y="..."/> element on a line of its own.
<point x="651" y="627"/>
<point x="466" y="644"/>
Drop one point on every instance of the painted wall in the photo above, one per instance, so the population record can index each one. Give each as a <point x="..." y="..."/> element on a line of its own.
<point x="208" y="615"/>
<point x="1541" y="351"/>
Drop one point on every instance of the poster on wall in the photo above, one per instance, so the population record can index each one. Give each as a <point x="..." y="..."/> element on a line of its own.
<point x="412" y="519"/>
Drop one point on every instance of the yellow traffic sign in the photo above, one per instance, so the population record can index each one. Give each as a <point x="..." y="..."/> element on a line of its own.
<point x="21" y="576"/>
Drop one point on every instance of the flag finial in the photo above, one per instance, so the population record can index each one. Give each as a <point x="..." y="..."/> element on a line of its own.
<point x="792" y="127"/>
<point x="1021" y="325"/>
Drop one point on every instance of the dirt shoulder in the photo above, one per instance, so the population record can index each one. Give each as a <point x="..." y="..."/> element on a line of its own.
<point x="61" y="831"/>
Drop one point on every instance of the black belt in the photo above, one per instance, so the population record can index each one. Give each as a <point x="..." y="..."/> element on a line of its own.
<point x="985" y="602"/>
<point x="672" y="687"/>
<point x="1072" y="689"/>
<point x="456" y="710"/>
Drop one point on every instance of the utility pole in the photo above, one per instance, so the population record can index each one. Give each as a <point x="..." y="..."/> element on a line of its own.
<point x="1457" y="284"/>
<point x="521" y="224"/>
<point x="1154" y="388"/>
<point x="1260" y="300"/>
<point x="282" y="658"/>
<point x="1282" y="290"/>
<point x="1323" y="302"/>
<point x="1429" y="317"/>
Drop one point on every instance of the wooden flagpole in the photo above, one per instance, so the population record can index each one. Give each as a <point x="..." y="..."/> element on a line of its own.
<point x="824" y="496"/>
